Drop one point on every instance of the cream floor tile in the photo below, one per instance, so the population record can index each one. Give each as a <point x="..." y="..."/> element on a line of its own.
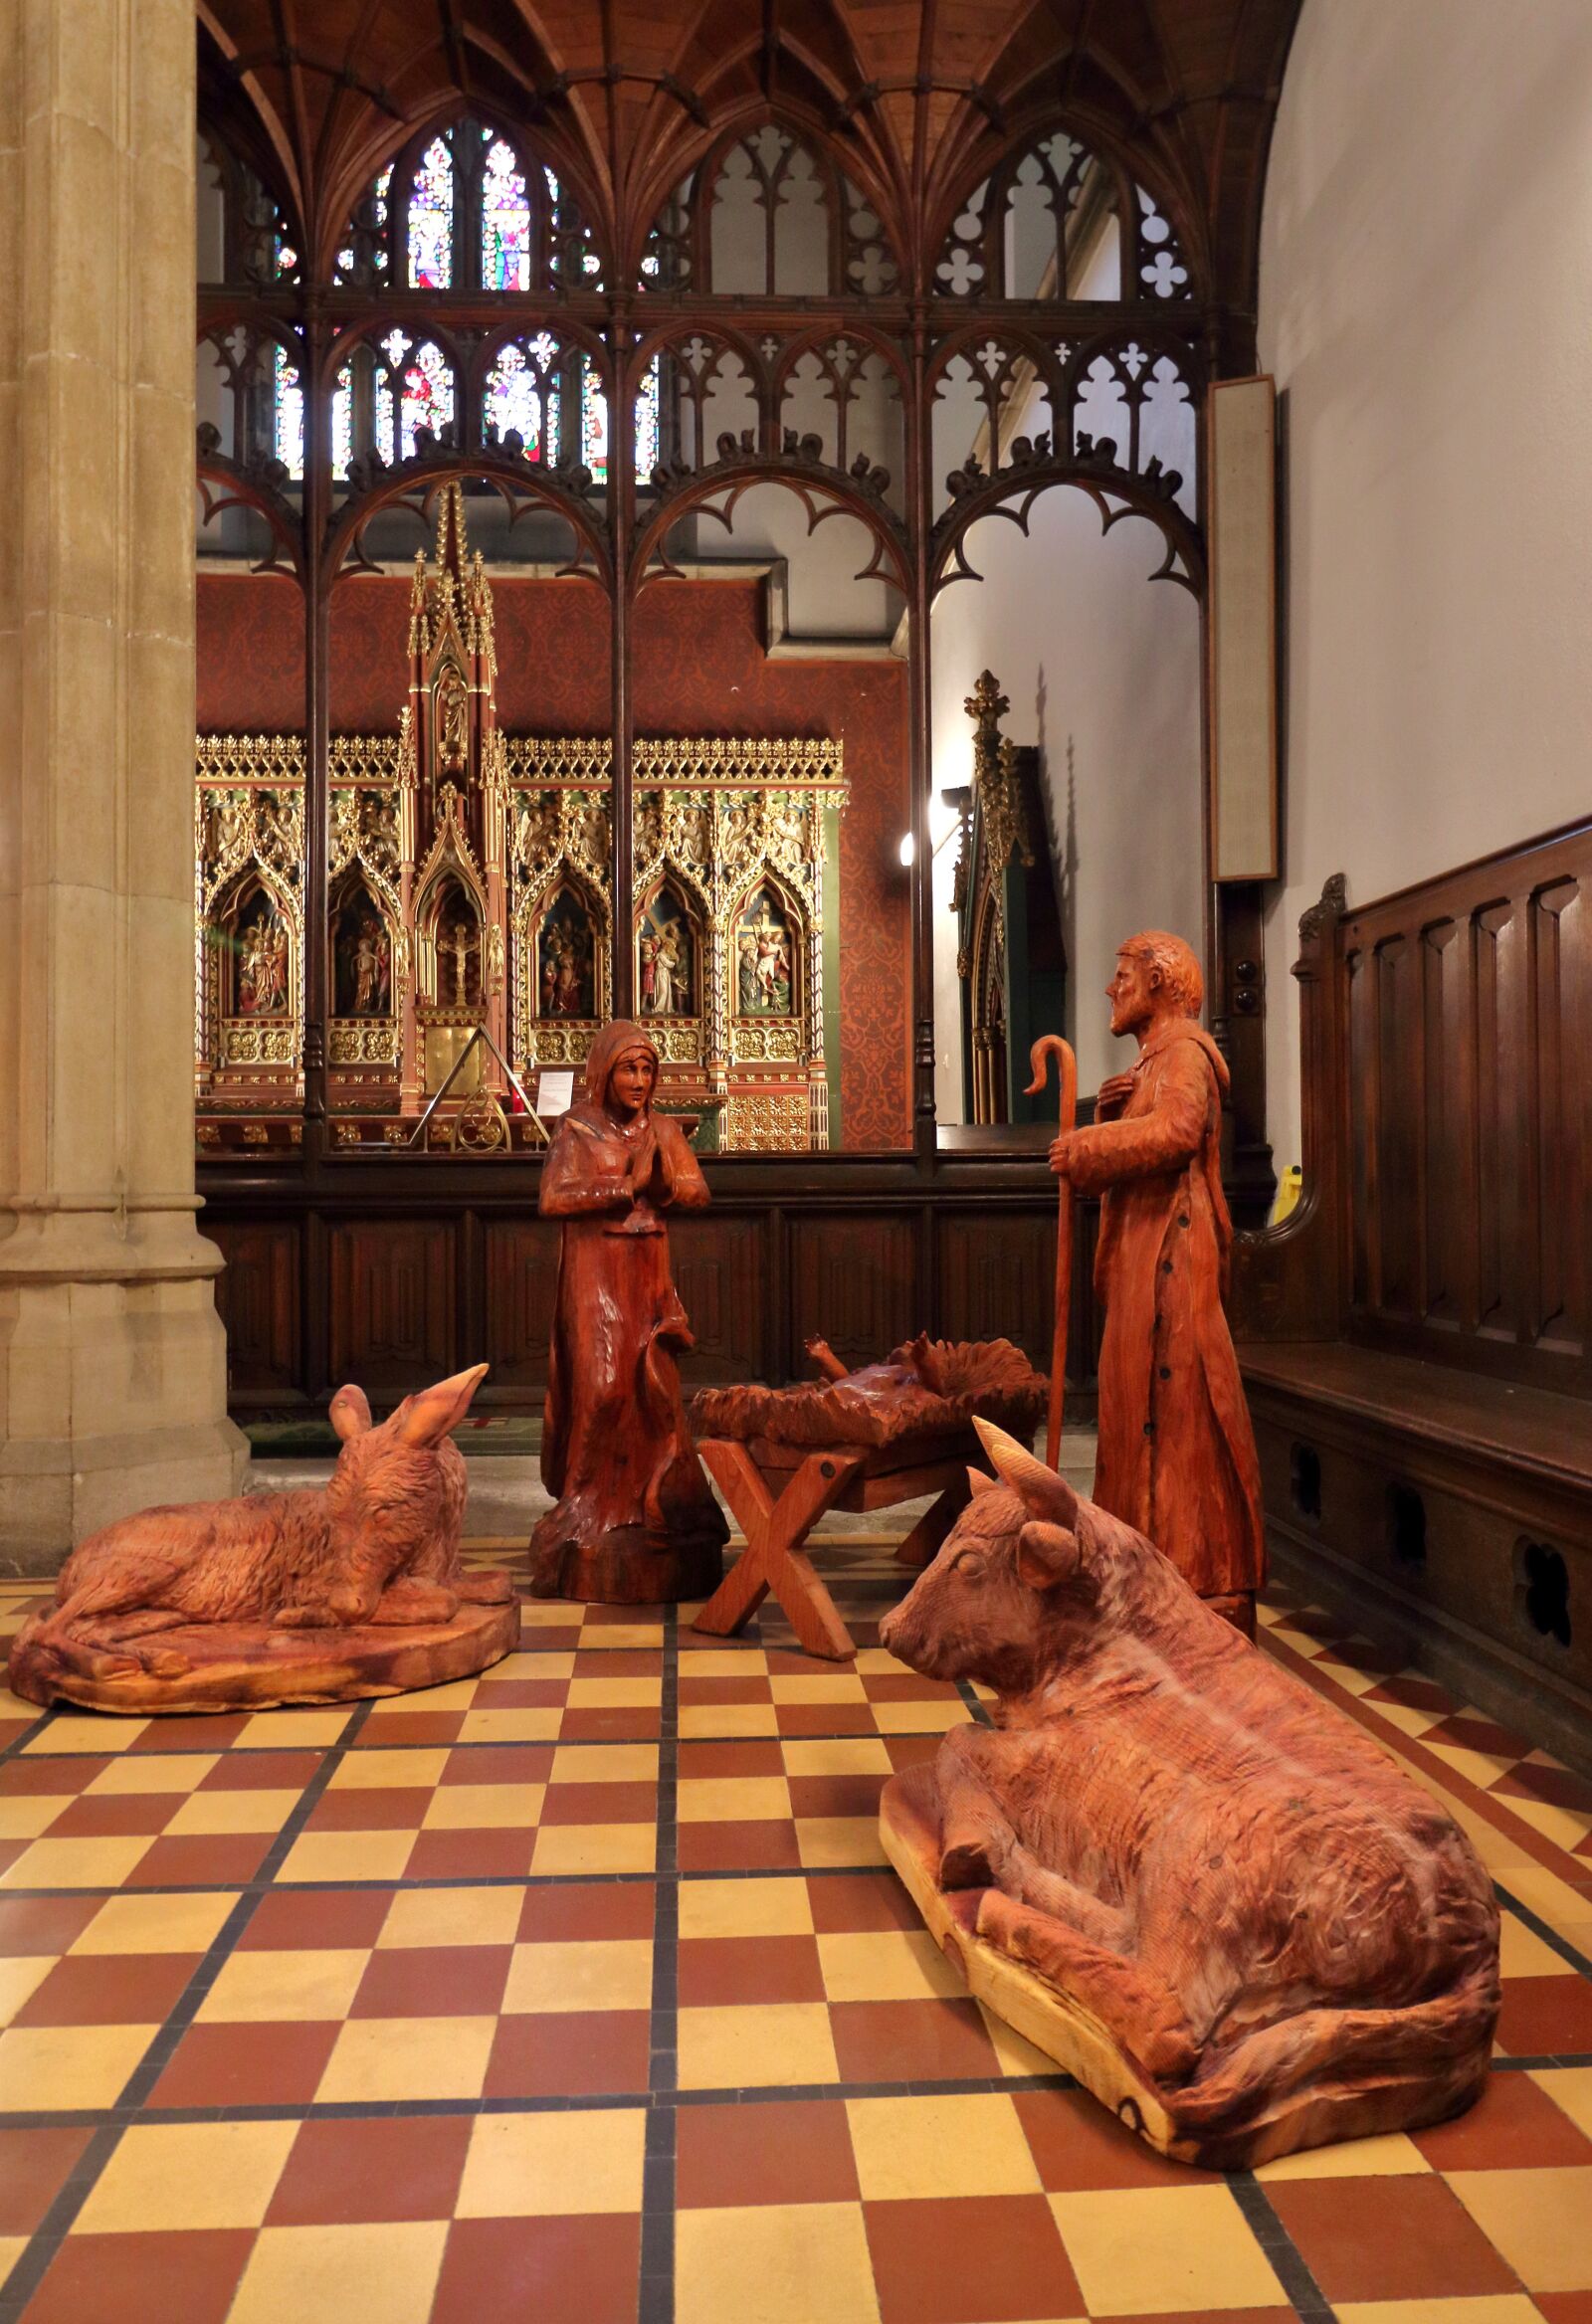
<point x="384" y="2274"/>
<point x="1571" y="2089"/>
<point x="1522" y="1952"/>
<point x="744" y="1908"/>
<point x="615" y="1694"/>
<point x="547" y="1613"/>
<point x="525" y="1665"/>
<point x="1546" y="1894"/>
<point x="1563" y="1826"/>
<point x="347" y="1855"/>
<point x="886" y="1965"/>
<point x="756" y="2047"/>
<point x="1481" y="1768"/>
<point x="919" y="1718"/>
<point x="48" y="2068"/>
<point x="1018" y="2056"/>
<point x="1406" y="1717"/>
<point x="29" y="1815"/>
<point x="599" y="1637"/>
<point x="378" y="2058"/>
<point x="384" y="1770"/>
<point x="288" y="1987"/>
<point x="594" y="1847"/>
<point x="722" y="1663"/>
<point x="78" y="1863"/>
<point x="11" y="2251"/>
<point x="920" y="2148"/>
<point x="533" y="1725"/>
<point x="154" y="1771"/>
<point x="532" y="2166"/>
<point x="85" y="1732"/>
<point x="21" y="1976"/>
<point x="701" y="1722"/>
<point x="1351" y="1681"/>
<point x="733" y="1798"/>
<point x="1539" y="2221"/>
<point x="547" y="1978"/>
<point x="760" y="2264"/>
<point x="455" y="1695"/>
<point x="1139" y="2250"/>
<point x="605" y="1763"/>
<point x="292" y="1731"/>
<point x="1389" y="2156"/>
<point x="157" y="1924"/>
<point x="827" y="1840"/>
<point x="877" y="1662"/>
<point x="241" y="1811"/>
<point x="451" y="1916"/>
<point x="483" y="1807"/>
<point x="826" y="1687"/>
<point x="837" y="1755"/>
<point x="1493" y="2308"/>
<point x="180" y="2175"/>
<point x="1501" y="1856"/>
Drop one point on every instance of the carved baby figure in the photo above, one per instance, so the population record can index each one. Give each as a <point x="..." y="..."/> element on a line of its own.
<point x="1279" y="1933"/>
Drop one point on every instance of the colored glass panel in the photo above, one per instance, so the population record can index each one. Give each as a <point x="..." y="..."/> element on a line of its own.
<point x="431" y="219"/>
<point x="288" y="424"/>
<point x="505" y="222"/>
<point x="518" y="395"/>
<point x="593" y="421"/>
<point x="647" y="417"/>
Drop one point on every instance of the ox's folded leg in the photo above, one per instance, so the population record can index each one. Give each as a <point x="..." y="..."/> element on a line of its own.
<point x="1141" y="2015"/>
<point x="977" y="1842"/>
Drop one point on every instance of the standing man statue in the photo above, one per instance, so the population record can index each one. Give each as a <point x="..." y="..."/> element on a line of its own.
<point x="1177" y="1455"/>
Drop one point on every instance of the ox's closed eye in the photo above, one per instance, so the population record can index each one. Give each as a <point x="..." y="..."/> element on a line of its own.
<point x="969" y="1562"/>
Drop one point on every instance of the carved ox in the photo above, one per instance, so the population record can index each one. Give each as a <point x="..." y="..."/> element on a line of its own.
<point x="1269" y="1934"/>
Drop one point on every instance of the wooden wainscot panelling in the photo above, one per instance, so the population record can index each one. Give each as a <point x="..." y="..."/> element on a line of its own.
<point x="997" y="1279"/>
<point x="853" y="1281"/>
<point x="719" y="1272"/>
<point x="521" y="1265"/>
<point x="393" y="1303"/>
<point x="257" y="1297"/>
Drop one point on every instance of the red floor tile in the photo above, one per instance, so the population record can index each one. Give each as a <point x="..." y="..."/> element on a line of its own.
<point x="718" y="1971"/>
<point x="522" y="1694"/>
<point x="1078" y="2146"/>
<point x="434" y="1981"/>
<point x="111" y="1815"/>
<point x="784" y="2151"/>
<point x="600" y="1803"/>
<point x="570" y="2053"/>
<point x="860" y="1902"/>
<point x="1564" y="2307"/>
<point x="611" y="1726"/>
<point x="1514" y="2126"/>
<point x="898" y="2042"/>
<point x="1393" y="2238"/>
<point x="44" y="1924"/>
<point x="699" y="1761"/>
<point x="221" y="1861"/>
<point x="499" y="1854"/>
<point x="500" y="1763"/>
<point x="34" y="2166"/>
<point x="702" y="1693"/>
<point x="762" y="1846"/>
<point x="906" y="1750"/>
<point x="247" y="2065"/>
<point x="375" y="1810"/>
<point x="798" y="1719"/>
<point x="1478" y="1734"/>
<point x="23" y="1778"/>
<point x="217" y="1732"/>
<point x="886" y="1686"/>
<point x="1413" y="1694"/>
<point x="995" y="2260"/>
<point x="110" y="2279"/>
<point x="1554" y="1785"/>
<point x="835" y="1794"/>
<point x="396" y="1728"/>
<point x="262" y="1771"/>
<point x="110" y="1989"/>
<point x="579" y="1908"/>
<point x="1546" y="2017"/>
<point x="333" y="1919"/>
<point x="341" y="2172"/>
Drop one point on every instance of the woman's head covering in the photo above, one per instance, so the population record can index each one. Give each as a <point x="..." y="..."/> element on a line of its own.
<point x="606" y="1052"/>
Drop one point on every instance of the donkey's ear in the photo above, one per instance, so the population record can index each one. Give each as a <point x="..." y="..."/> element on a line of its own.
<point x="349" y="1412"/>
<point x="424" y="1420"/>
<point x="983" y="1483"/>
<point x="1045" y="1554"/>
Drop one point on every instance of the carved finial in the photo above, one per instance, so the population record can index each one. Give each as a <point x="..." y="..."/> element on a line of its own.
<point x="986" y="705"/>
<point x="1333" y="902"/>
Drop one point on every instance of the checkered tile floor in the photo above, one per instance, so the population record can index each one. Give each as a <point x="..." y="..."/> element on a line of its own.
<point x="581" y="1991"/>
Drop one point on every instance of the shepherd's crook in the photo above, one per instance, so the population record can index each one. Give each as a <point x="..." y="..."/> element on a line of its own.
<point x="1051" y="1045"/>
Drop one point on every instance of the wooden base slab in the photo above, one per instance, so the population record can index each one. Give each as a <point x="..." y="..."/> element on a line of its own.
<point x="625" y="1568"/>
<point x="252" y="1666"/>
<point x="1058" y="2025"/>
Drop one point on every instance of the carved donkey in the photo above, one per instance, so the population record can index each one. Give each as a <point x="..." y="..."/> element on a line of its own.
<point x="378" y="1543"/>
<point x="1226" y="1874"/>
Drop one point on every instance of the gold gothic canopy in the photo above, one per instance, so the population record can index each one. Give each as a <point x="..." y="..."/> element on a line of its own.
<point x="470" y="886"/>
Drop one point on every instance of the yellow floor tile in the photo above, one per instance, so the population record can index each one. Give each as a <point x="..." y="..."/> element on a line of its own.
<point x="910" y="2148"/>
<point x="886" y="1965"/>
<point x="1544" y="1892"/>
<point x="615" y="1694"/>
<point x="1493" y="2308"/>
<point x="738" y="1799"/>
<point x="388" y="1771"/>
<point x="347" y="1855"/>
<point x="523" y="1726"/>
<point x="822" y="1687"/>
<point x="722" y="1663"/>
<point x="1406" y="1717"/>
<point x="599" y="1637"/>
<point x="483" y="1807"/>
<point x="1351" y="1681"/>
<point x="384" y="2274"/>
<point x="294" y="1985"/>
<point x="409" y="2058"/>
<point x="455" y="1695"/>
<point x="28" y="1814"/>
<point x="292" y="1731"/>
<point x="545" y="1979"/>
<point x="154" y="1771"/>
<point x="1539" y="2221"/>
<point x="1571" y="2089"/>
<point x="825" y="1840"/>
<point x="605" y="1763"/>
<point x="241" y="1811"/>
<point x="85" y="1731"/>
<point x="21" y="1977"/>
<point x="547" y="1613"/>
<point x="1018" y="2056"/>
<point x="1138" y="2251"/>
<point x="11" y="2251"/>
<point x="1561" y="1826"/>
<point x="77" y="1864"/>
<point x="876" y="1662"/>
<point x="523" y="1664"/>
<point x="47" y="2067"/>
<point x="174" y="2174"/>
<point x="1481" y="1768"/>
<point x="1522" y="1952"/>
<point x="594" y="1847"/>
<point x="837" y="1755"/>
<point x="744" y="1908"/>
<point x="534" y="2166"/>
<point x="919" y="1718"/>
<point x="1388" y="2156"/>
<point x="701" y="1722"/>
<point x="761" y="2263"/>
<point x="746" y="2047"/>
<point x="157" y="1924"/>
<point x="451" y="1916"/>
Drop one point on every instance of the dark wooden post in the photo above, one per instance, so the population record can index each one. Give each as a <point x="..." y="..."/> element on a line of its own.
<point x="920" y="742"/>
<point x="317" y="714"/>
<point x="621" y="489"/>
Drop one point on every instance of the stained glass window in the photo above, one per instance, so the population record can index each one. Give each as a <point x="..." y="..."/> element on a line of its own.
<point x="425" y="394"/>
<point x="342" y="422"/>
<point x="593" y="421"/>
<point x="506" y="220"/>
<point x="647" y="413"/>
<point x="431" y="219"/>
<point x="518" y="395"/>
<point x="288" y="399"/>
<point x="364" y="253"/>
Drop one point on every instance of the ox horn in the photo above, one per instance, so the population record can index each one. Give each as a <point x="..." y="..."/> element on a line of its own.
<point x="1041" y="1491"/>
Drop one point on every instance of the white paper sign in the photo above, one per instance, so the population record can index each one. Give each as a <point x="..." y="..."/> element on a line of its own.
<point x="556" y="1094"/>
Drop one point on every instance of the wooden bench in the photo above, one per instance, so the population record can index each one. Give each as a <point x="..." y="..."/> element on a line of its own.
<point x="1416" y="1339"/>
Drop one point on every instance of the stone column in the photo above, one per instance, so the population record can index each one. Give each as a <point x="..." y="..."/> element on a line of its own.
<point x="112" y="1360"/>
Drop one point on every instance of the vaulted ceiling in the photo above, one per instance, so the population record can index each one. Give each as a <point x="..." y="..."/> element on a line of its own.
<point x="917" y="96"/>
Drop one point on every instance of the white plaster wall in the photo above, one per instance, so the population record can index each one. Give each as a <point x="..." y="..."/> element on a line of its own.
<point x="1426" y="284"/>
<point x="1102" y="669"/>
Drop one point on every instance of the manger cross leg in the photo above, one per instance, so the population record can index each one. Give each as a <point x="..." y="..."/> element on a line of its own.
<point x="922" y="1545"/>
<point x="773" y="1558"/>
